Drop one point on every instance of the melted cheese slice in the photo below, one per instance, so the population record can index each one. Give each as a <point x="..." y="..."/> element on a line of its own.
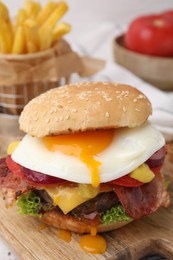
<point x="68" y="198"/>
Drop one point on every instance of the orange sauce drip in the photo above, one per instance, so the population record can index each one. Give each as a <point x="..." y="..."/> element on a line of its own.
<point x="93" y="231"/>
<point x="65" y="235"/>
<point x="42" y="226"/>
<point x="83" y="145"/>
<point x="93" y="244"/>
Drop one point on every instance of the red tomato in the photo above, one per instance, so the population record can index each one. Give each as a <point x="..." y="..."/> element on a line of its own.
<point x="168" y="15"/>
<point x="14" y="167"/>
<point x="29" y="175"/>
<point x="151" y="34"/>
<point x="127" y="181"/>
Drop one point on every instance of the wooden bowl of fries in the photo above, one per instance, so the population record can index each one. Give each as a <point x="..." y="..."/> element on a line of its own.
<point x="33" y="55"/>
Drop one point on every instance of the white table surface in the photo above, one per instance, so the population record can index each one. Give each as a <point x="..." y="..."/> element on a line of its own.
<point x="6" y="253"/>
<point x="84" y="14"/>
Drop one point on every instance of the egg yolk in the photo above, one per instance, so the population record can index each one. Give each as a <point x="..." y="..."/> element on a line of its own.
<point x="83" y="145"/>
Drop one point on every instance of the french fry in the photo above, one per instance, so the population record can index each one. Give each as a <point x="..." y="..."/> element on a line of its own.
<point x="19" y="41"/>
<point x="28" y="7"/>
<point x="45" y="37"/>
<point x="31" y="48"/>
<point x="4" y="12"/>
<point x="45" y="12"/>
<point x="32" y="8"/>
<point x="3" y="47"/>
<point x="6" y="36"/>
<point x="21" y="17"/>
<point x="36" y="10"/>
<point x="31" y="33"/>
<point x="6" y="29"/>
<point x="60" y="30"/>
<point x="59" y="11"/>
<point x="9" y="37"/>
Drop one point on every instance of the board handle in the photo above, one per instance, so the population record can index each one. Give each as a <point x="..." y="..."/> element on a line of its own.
<point x="146" y="247"/>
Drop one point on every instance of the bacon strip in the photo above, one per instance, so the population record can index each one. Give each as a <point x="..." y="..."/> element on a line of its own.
<point x="10" y="180"/>
<point x="12" y="185"/>
<point x="145" y="199"/>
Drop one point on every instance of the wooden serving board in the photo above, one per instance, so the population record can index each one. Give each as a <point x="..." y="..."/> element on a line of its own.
<point x="153" y="234"/>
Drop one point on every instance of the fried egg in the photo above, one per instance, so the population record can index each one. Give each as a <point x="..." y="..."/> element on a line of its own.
<point x="90" y="157"/>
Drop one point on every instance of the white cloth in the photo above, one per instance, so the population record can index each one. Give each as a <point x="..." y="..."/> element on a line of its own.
<point x="99" y="44"/>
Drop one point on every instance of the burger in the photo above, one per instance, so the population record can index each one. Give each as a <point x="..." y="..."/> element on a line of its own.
<point x="89" y="158"/>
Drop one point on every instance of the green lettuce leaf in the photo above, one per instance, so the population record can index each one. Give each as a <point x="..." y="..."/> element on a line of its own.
<point x="114" y="214"/>
<point x="31" y="204"/>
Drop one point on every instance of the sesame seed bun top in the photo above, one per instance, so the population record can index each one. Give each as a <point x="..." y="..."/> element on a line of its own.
<point x="84" y="106"/>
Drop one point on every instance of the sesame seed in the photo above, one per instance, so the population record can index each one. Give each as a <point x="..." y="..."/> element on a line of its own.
<point x="36" y="119"/>
<point x="134" y="100"/>
<point x="140" y="96"/>
<point x="108" y="99"/>
<point x="47" y="120"/>
<point x="74" y="110"/>
<point x="67" y="117"/>
<point x="124" y="109"/>
<point x="122" y="94"/>
<point x="56" y="119"/>
<point x="137" y="109"/>
<point x="107" y="114"/>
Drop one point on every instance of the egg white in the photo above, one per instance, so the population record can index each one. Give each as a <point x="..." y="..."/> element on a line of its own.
<point x="130" y="148"/>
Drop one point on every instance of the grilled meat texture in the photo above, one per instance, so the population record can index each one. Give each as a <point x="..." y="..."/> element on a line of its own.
<point x="100" y="203"/>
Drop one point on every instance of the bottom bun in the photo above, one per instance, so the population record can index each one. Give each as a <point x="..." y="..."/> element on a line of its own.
<point x="73" y="224"/>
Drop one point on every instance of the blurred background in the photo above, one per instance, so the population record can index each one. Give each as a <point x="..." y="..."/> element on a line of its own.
<point x="85" y="15"/>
